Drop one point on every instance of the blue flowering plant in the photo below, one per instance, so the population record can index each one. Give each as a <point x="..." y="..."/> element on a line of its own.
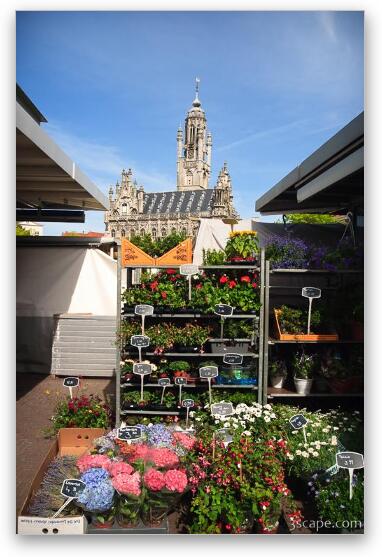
<point x="98" y="497"/>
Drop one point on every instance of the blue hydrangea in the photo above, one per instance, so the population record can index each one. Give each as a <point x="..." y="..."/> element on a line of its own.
<point x="159" y="435"/>
<point x="97" y="498"/>
<point x="94" y="476"/>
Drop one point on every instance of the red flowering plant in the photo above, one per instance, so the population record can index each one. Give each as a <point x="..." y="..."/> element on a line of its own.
<point x="233" y="287"/>
<point x="236" y="484"/>
<point x="165" y="288"/>
<point x="80" y="411"/>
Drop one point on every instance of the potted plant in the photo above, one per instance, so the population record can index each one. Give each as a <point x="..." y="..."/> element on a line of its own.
<point x="239" y="337"/>
<point x="277" y="373"/>
<point x="292" y="324"/>
<point x="242" y="247"/>
<point x="179" y="368"/>
<point x="303" y="368"/>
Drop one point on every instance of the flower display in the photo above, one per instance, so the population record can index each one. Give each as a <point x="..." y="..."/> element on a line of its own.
<point x="93" y="461"/>
<point x="120" y="467"/>
<point x="98" y="494"/>
<point x="163" y="457"/>
<point x="127" y="484"/>
<point x="185" y="440"/>
<point x="175" y="480"/>
<point x="154" y="479"/>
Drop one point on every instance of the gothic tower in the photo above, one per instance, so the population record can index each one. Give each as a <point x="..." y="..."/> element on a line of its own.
<point x="194" y="149"/>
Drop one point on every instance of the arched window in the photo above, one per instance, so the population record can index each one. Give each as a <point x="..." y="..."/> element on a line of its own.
<point x="142" y="231"/>
<point x="164" y="232"/>
<point x="113" y="233"/>
<point x="124" y="209"/>
<point x="173" y="230"/>
<point x="184" y="231"/>
<point x="123" y="233"/>
<point x="154" y="233"/>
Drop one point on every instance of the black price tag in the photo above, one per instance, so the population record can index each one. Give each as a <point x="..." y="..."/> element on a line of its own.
<point x="222" y="408"/>
<point x="232" y="358"/>
<point x="140" y="341"/>
<point x="72" y="488"/>
<point x="71" y="382"/>
<point x="224" y="310"/>
<point x="129" y="433"/>
<point x="189" y="270"/>
<point x="298" y="421"/>
<point x="142" y="369"/>
<point x="349" y="460"/>
<point x="144" y="309"/>
<point x="188" y="403"/>
<point x="180" y="381"/>
<point x="207" y="372"/>
<point x="164" y="381"/>
<point x="311" y="292"/>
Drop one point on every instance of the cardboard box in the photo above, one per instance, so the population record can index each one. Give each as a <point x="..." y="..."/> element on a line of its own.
<point x="70" y="441"/>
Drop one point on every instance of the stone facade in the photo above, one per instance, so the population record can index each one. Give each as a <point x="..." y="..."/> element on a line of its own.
<point x="133" y="211"/>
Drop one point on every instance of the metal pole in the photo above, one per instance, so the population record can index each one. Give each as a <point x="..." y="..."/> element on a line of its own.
<point x="261" y="327"/>
<point x="119" y="340"/>
<point x="309" y="314"/>
<point x="266" y="334"/>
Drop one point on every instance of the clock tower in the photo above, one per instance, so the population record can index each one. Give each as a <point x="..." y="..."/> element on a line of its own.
<point x="194" y="149"/>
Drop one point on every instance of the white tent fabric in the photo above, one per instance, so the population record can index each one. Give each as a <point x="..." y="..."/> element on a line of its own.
<point x="58" y="280"/>
<point x="213" y="234"/>
<point x="65" y="280"/>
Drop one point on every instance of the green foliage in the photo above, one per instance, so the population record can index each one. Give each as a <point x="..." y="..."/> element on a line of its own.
<point x="277" y="368"/>
<point x="238" y="328"/>
<point x="21" y="231"/>
<point x="303" y="366"/>
<point x="214" y="257"/>
<point x="156" y="248"/>
<point x="310" y="218"/>
<point x="333" y="501"/>
<point x="295" y="320"/>
<point x="242" y="244"/>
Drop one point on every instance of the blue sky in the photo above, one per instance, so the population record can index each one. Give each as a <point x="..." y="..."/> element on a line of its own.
<point x="114" y="87"/>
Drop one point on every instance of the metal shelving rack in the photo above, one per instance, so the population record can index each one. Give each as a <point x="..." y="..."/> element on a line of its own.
<point x="256" y="356"/>
<point x="270" y="392"/>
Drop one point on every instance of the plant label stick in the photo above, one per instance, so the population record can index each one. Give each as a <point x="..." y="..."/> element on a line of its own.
<point x="224" y="310"/>
<point x="163" y="382"/>
<point x="187" y="403"/>
<point x="351" y="461"/>
<point x="180" y="381"/>
<point x="142" y="370"/>
<point x="143" y="310"/>
<point x="298" y="421"/>
<point x="140" y="341"/>
<point x="71" y="488"/>
<point x="310" y="292"/>
<point x="189" y="270"/>
<point x="71" y="382"/>
<point x="208" y="372"/>
<point x="222" y="408"/>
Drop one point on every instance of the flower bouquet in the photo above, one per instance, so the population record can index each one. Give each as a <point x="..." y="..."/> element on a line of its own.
<point x="163" y="490"/>
<point x="98" y="497"/>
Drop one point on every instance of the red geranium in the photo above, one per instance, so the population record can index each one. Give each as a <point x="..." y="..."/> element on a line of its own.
<point x="254" y="284"/>
<point x="245" y="278"/>
<point x="164" y="295"/>
<point x="198" y="286"/>
<point x="232" y="284"/>
<point x="171" y="271"/>
<point x="223" y="279"/>
<point x="154" y="285"/>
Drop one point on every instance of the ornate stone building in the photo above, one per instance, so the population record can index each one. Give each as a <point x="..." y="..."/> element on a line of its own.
<point x="133" y="211"/>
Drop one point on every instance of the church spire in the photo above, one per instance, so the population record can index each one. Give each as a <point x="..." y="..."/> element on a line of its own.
<point x="196" y="102"/>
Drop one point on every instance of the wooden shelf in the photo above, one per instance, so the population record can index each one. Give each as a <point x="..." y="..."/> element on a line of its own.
<point x="275" y="341"/>
<point x="189" y="354"/>
<point x="190" y="385"/>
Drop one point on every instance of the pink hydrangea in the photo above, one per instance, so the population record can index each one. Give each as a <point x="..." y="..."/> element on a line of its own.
<point x="175" y="480"/>
<point x="187" y="441"/>
<point x="120" y="467"/>
<point x="154" y="479"/>
<point x="140" y="452"/>
<point x="127" y="484"/>
<point x="93" y="461"/>
<point x="164" y="458"/>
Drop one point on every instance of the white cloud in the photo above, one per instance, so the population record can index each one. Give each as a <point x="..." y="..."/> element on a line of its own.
<point x="328" y="24"/>
<point x="104" y="162"/>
